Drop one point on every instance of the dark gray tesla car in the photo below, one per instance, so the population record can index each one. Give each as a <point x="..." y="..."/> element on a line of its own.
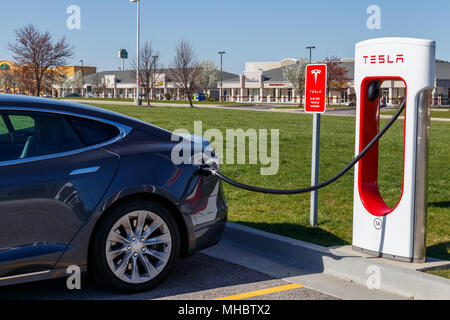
<point x="87" y="187"/>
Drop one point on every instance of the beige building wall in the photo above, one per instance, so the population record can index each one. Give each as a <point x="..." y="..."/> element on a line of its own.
<point x="264" y="66"/>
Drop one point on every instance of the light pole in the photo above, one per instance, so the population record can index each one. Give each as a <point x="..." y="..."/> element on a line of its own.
<point x="138" y="85"/>
<point x="152" y="69"/>
<point x="310" y="53"/>
<point x="82" y="77"/>
<point x="221" y="77"/>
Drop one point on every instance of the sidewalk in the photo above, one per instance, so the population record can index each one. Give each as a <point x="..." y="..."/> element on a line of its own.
<point x="274" y="254"/>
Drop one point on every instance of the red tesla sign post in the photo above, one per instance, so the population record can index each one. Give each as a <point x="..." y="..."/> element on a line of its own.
<point x="315" y="102"/>
<point x="316" y="88"/>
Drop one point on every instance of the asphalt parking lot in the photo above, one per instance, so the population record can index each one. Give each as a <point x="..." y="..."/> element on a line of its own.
<point x="200" y="277"/>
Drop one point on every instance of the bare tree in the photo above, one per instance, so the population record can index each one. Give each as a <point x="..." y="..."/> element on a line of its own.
<point x="25" y="79"/>
<point x="337" y="75"/>
<point x="9" y="80"/>
<point x="185" y="69"/>
<point x="99" y="86"/>
<point x="39" y="52"/>
<point x="49" y="80"/>
<point x="208" y="76"/>
<point x="148" y="61"/>
<point x="76" y="82"/>
<point x="59" y="79"/>
<point x="73" y="84"/>
<point x="296" y="75"/>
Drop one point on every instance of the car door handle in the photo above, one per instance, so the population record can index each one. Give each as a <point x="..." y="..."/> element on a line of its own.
<point x="84" y="171"/>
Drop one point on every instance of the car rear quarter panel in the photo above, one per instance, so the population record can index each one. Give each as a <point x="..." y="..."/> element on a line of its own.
<point x="146" y="170"/>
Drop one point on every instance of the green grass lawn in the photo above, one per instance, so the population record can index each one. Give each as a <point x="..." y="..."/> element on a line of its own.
<point x="441" y="272"/>
<point x="289" y="215"/>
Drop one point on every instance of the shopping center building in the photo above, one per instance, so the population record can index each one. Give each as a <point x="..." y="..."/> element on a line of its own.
<point x="261" y="82"/>
<point x="122" y="84"/>
<point x="264" y="82"/>
<point x="12" y="86"/>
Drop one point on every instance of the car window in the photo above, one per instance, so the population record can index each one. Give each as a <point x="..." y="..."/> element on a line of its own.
<point x="38" y="134"/>
<point x="92" y="132"/>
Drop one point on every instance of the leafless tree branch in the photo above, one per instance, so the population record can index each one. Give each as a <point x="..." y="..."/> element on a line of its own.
<point x="39" y="53"/>
<point x="185" y="69"/>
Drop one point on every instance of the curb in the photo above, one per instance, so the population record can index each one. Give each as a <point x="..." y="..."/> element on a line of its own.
<point x="395" y="277"/>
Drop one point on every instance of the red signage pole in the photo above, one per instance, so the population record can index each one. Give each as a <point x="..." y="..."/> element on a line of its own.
<point x="315" y="96"/>
<point x="316" y="88"/>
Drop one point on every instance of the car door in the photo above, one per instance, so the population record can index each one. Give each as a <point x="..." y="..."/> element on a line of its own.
<point x="52" y="175"/>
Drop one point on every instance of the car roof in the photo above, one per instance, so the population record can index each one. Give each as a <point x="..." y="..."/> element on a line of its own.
<point x="60" y="106"/>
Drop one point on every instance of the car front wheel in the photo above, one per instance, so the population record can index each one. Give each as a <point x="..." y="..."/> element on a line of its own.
<point x="135" y="246"/>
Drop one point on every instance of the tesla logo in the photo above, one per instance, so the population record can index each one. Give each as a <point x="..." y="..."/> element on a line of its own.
<point x="384" y="58"/>
<point x="315" y="72"/>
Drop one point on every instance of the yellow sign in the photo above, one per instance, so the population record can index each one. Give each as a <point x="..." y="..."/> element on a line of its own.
<point x="5" y="67"/>
<point x="338" y="84"/>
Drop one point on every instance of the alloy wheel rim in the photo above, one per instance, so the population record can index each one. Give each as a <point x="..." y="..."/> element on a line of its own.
<point x="138" y="246"/>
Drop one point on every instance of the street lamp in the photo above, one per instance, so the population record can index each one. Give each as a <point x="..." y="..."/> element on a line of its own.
<point x="138" y="85"/>
<point x="310" y="53"/>
<point x="153" y="61"/>
<point x="221" y="77"/>
<point x="82" y="77"/>
<point x="152" y="68"/>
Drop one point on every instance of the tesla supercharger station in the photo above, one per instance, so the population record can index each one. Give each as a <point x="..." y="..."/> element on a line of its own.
<point x="398" y="232"/>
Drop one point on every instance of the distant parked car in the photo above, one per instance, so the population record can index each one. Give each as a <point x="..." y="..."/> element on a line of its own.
<point x="350" y="104"/>
<point x="72" y="95"/>
<point x="88" y="187"/>
<point x="199" y="97"/>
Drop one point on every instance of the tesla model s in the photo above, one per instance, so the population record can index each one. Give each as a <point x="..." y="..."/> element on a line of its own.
<point x="84" y="186"/>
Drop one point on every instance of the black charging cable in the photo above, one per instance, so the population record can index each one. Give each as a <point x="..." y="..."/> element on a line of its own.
<point x="214" y="171"/>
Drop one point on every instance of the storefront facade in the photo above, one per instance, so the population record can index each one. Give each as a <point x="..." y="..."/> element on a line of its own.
<point x="270" y="86"/>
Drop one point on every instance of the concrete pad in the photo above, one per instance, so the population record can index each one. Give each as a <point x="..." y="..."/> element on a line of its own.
<point x="391" y="277"/>
<point x="277" y="267"/>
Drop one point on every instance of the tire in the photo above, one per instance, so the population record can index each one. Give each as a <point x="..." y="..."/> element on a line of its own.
<point x="138" y="255"/>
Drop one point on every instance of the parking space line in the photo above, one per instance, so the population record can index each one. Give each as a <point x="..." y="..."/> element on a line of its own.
<point x="262" y="292"/>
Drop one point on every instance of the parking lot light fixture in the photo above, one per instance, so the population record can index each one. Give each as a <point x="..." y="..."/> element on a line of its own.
<point x="82" y="78"/>
<point x="310" y="53"/>
<point x="138" y="85"/>
<point x="221" y="77"/>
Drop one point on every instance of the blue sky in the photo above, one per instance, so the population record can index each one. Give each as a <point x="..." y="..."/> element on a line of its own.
<point x="248" y="30"/>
